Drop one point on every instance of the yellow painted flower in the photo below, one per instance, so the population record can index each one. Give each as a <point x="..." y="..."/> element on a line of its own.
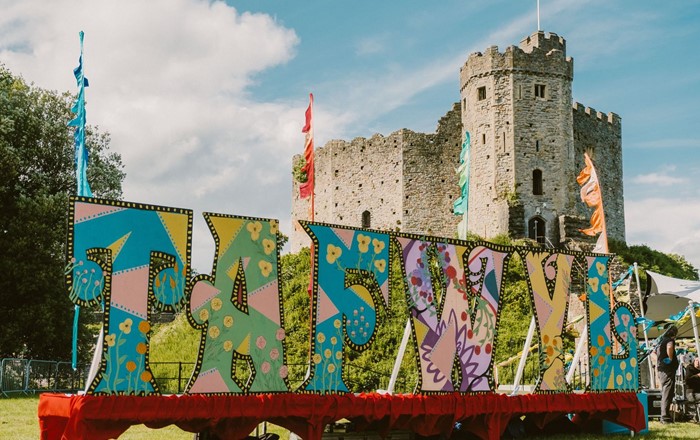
<point x="331" y="368"/>
<point x="334" y="340"/>
<point x="214" y="332"/>
<point x="146" y="376"/>
<point x="337" y="323"/>
<point x="265" y="267"/>
<point x="268" y="246"/>
<point x="254" y="228"/>
<point x="618" y="379"/>
<point x="339" y="355"/>
<point x="317" y="358"/>
<point x="633" y="362"/>
<point x="333" y="253"/>
<point x="216" y="304"/>
<point x="111" y="340"/>
<point x="606" y="289"/>
<point x="628" y="376"/>
<point x="274" y="226"/>
<point x="623" y="365"/>
<point x="130" y="366"/>
<point x="380" y="265"/>
<point x="144" y="327"/>
<point x="600" y="267"/>
<point x="125" y="326"/>
<point x="321" y="338"/>
<point x="327" y="353"/>
<point x="363" y="243"/>
<point x="228" y="345"/>
<point x="141" y="348"/>
<point x="601" y="340"/>
<point x="378" y="245"/>
<point x="203" y="315"/>
<point x="593" y="282"/>
<point x="228" y="321"/>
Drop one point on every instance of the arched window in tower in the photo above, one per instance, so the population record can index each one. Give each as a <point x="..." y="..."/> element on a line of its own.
<point x="537" y="229"/>
<point x="537" y="182"/>
<point x="366" y="219"/>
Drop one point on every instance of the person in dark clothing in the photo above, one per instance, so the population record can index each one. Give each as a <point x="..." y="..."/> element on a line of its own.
<point x="692" y="380"/>
<point x="667" y="364"/>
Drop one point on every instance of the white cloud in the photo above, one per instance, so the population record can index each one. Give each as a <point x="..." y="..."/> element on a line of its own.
<point x="664" y="224"/>
<point x="168" y="80"/>
<point x="659" y="179"/>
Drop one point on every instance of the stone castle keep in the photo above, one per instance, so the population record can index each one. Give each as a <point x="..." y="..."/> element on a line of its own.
<point x="527" y="145"/>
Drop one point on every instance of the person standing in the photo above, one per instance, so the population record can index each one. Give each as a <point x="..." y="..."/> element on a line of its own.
<point x="692" y="380"/>
<point x="667" y="364"/>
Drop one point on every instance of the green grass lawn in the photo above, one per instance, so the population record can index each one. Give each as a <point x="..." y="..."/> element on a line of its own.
<point x="18" y="421"/>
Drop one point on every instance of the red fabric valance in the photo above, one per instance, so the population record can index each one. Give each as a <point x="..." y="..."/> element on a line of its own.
<point x="76" y="417"/>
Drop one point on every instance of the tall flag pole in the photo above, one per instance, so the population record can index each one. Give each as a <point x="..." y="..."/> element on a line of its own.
<point x="591" y="195"/>
<point x="81" y="161"/>
<point x="306" y="189"/>
<point x="461" y="205"/>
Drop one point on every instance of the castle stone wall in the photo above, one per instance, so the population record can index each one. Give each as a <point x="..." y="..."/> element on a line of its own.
<point x="600" y="135"/>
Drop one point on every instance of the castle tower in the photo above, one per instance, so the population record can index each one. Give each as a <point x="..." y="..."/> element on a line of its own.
<point x="516" y="106"/>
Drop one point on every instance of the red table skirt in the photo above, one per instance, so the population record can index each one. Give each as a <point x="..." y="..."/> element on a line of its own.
<point x="234" y="417"/>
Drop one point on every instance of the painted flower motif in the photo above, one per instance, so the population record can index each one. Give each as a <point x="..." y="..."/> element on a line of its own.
<point x="228" y="345"/>
<point x="265" y="268"/>
<point x="261" y="342"/>
<point x="321" y="338"/>
<point x="601" y="340"/>
<point x="130" y="366"/>
<point x="214" y="332"/>
<point x="274" y="354"/>
<point x="363" y="243"/>
<point x="333" y="253"/>
<point x="216" y="304"/>
<point x="284" y="371"/>
<point x="274" y="227"/>
<point x="228" y="321"/>
<point x="378" y="245"/>
<point x="337" y="323"/>
<point x="203" y="315"/>
<point x="146" y="376"/>
<point x="125" y="326"/>
<point x="606" y="289"/>
<point x="111" y="340"/>
<point x="600" y="267"/>
<point x="380" y="265"/>
<point x="280" y="334"/>
<point x="623" y="365"/>
<point x="254" y="228"/>
<point x="334" y="340"/>
<point x="593" y="282"/>
<point x="268" y="246"/>
<point x="317" y="358"/>
<point x="339" y="355"/>
<point x="327" y="353"/>
<point x="141" y="348"/>
<point x="628" y="376"/>
<point x="265" y="367"/>
<point x="331" y="368"/>
<point x="144" y="327"/>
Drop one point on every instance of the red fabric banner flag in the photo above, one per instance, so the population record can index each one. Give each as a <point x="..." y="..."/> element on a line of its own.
<point x="591" y="195"/>
<point x="306" y="189"/>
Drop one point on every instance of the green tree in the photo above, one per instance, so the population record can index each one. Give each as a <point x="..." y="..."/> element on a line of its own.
<point x="37" y="169"/>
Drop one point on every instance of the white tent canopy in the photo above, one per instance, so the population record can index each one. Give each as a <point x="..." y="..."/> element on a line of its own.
<point x="667" y="296"/>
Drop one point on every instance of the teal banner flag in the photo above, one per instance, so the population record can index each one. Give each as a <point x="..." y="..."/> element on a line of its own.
<point x="461" y="205"/>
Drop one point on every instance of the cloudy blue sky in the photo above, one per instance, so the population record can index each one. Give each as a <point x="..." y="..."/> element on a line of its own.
<point x="205" y="99"/>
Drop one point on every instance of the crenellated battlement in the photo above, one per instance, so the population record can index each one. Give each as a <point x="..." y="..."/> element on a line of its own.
<point x="543" y="56"/>
<point x="542" y="41"/>
<point x="610" y="118"/>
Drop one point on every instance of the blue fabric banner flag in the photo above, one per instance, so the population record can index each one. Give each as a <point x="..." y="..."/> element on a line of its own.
<point x="623" y="277"/>
<point x="81" y="161"/>
<point x="461" y="205"/>
<point x="81" y="153"/>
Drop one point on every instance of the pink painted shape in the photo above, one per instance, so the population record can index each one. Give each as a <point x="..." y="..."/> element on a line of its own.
<point x="202" y="292"/>
<point x="345" y="235"/>
<point x="87" y="211"/>
<point x="246" y="261"/>
<point x="266" y="301"/>
<point x="443" y="353"/>
<point x="130" y="291"/>
<point x="209" y="382"/>
<point x="385" y="291"/>
<point x="326" y="308"/>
